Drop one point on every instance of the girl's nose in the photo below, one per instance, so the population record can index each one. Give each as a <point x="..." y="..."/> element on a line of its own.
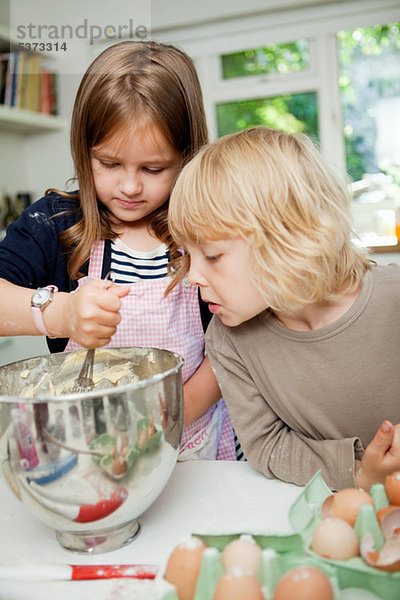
<point x="130" y="184"/>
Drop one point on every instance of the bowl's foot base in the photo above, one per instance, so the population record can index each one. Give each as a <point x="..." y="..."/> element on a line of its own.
<point x="99" y="540"/>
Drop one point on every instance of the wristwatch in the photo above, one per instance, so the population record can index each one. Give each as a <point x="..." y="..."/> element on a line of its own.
<point x="40" y="299"/>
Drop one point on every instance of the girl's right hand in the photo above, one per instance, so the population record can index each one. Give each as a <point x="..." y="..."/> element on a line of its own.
<point x="381" y="457"/>
<point x="91" y="313"/>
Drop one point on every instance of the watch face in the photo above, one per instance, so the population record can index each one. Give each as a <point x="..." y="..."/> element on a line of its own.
<point x="41" y="296"/>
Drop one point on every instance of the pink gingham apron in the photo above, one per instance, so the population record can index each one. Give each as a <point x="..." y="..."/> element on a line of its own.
<point x="148" y="318"/>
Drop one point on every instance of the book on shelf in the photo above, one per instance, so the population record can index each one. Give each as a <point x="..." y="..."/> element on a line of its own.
<point x="48" y="93"/>
<point x="53" y="94"/>
<point x="21" y="80"/>
<point x="26" y="84"/>
<point x="11" y="79"/>
<point x="4" y="58"/>
<point x="45" y="92"/>
<point x="31" y="97"/>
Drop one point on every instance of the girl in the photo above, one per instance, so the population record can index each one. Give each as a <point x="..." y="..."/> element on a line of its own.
<point x="304" y="338"/>
<point x="137" y="118"/>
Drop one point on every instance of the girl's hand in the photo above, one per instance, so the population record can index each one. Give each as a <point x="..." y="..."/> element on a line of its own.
<point x="381" y="457"/>
<point x="91" y="313"/>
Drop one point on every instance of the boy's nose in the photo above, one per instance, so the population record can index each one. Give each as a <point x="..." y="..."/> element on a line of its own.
<point x="195" y="277"/>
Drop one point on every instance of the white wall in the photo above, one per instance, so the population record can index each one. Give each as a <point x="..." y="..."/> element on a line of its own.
<point x="179" y="13"/>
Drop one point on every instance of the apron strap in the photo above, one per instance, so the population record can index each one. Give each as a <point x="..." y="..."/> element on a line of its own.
<point x="96" y="260"/>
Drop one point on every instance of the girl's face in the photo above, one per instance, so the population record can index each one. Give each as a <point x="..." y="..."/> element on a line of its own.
<point x="221" y="269"/>
<point x="133" y="176"/>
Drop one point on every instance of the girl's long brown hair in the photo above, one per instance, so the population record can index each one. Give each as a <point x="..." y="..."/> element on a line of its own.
<point x="126" y="85"/>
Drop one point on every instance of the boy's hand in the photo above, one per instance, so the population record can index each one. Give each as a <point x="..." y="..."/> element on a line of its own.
<point x="91" y="313"/>
<point x="381" y="457"/>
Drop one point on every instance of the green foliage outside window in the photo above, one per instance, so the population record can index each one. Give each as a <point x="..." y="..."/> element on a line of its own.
<point x="290" y="112"/>
<point x="278" y="58"/>
<point x="367" y="57"/>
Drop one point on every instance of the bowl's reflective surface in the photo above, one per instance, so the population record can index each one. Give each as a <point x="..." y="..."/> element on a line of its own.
<point x="88" y="465"/>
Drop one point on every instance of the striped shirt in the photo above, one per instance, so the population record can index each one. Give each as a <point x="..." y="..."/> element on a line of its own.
<point x="238" y="448"/>
<point x="129" y="266"/>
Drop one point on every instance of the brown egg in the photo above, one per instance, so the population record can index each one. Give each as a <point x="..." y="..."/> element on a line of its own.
<point x="345" y="504"/>
<point x="335" y="539"/>
<point x="243" y="553"/>
<point x="183" y="567"/>
<point x="392" y="486"/>
<point x="388" y="559"/>
<point x="380" y="514"/>
<point x="304" y="583"/>
<point x="237" y="585"/>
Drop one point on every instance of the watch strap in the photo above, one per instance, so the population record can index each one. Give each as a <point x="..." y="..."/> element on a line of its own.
<point x="37" y="314"/>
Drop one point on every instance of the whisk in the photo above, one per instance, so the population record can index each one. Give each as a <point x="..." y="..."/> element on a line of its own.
<point x="84" y="381"/>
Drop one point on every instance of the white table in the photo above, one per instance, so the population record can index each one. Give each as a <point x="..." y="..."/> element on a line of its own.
<point x="201" y="497"/>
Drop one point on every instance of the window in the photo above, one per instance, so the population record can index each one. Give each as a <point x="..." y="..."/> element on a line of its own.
<point x="330" y="71"/>
<point x="289" y="111"/>
<point x="369" y="81"/>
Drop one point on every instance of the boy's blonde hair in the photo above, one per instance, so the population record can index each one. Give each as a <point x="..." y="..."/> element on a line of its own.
<point x="273" y="190"/>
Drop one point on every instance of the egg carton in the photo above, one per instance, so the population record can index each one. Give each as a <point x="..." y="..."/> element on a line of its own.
<point x="304" y="516"/>
<point x="279" y="555"/>
<point x="351" y="580"/>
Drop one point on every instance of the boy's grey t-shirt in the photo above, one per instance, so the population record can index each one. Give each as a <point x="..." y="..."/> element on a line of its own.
<point x="302" y="401"/>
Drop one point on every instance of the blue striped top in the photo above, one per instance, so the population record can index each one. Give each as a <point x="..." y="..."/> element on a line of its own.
<point x="129" y="266"/>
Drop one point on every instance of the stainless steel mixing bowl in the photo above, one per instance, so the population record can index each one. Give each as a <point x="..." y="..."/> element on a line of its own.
<point x="88" y="465"/>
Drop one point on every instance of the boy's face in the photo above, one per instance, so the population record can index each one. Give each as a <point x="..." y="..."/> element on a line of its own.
<point x="221" y="269"/>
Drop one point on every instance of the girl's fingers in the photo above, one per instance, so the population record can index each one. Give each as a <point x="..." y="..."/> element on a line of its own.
<point x="100" y="336"/>
<point x="93" y="298"/>
<point x="95" y="312"/>
<point x="109" y="286"/>
<point x="119" y="290"/>
<point x="110" y="298"/>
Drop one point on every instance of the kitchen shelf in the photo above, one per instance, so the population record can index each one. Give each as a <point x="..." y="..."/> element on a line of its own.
<point x="19" y="120"/>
